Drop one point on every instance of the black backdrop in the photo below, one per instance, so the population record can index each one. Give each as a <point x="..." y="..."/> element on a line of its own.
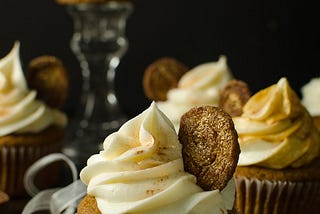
<point x="263" y="40"/>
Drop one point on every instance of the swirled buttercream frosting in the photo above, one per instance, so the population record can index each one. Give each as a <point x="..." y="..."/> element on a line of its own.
<point x="199" y="86"/>
<point x="311" y="96"/>
<point x="275" y="130"/>
<point x="140" y="170"/>
<point x="20" y="111"/>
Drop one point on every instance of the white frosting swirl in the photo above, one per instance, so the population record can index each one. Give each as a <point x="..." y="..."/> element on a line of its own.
<point x="311" y="96"/>
<point x="199" y="86"/>
<point x="20" y="111"/>
<point x="141" y="170"/>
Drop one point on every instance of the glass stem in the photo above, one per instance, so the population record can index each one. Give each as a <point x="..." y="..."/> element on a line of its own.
<point x="98" y="42"/>
<point x="99" y="101"/>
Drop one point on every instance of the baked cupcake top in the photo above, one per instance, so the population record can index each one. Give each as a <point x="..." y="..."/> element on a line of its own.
<point x="275" y="130"/>
<point x="20" y="111"/>
<point x="141" y="170"/>
<point x="199" y="86"/>
<point x="311" y="96"/>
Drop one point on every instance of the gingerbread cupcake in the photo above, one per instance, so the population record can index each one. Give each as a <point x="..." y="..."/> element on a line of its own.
<point x="199" y="86"/>
<point x="29" y="128"/>
<point x="141" y="169"/>
<point x="280" y="148"/>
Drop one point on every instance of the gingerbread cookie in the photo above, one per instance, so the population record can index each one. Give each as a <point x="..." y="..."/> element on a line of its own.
<point x="89" y="1"/>
<point x="48" y="76"/>
<point x="210" y="146"/>
<point x="234" y="96"/>
<point x="162" y="75"/>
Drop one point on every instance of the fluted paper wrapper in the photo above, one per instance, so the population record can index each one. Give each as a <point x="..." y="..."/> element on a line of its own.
<point x="15" y="159"/>
<point x="271" y="197"/>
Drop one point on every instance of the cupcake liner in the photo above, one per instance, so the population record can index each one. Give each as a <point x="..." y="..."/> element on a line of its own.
<point x="14" y="161"/>
<point x="271" y="197"/>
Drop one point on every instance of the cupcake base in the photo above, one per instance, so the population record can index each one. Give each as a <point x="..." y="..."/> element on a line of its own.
<point x="19" y="151"/>
<point x="88" y="205"/>
<point x="261" y="190"/>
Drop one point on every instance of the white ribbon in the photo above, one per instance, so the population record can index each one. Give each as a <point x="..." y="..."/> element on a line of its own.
<point x="57" y="200"/>
<point x="68" y="198"/>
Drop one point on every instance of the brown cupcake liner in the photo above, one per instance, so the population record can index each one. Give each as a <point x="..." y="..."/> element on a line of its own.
<point x="14" y="161"/>
<point x="271" y="197"/>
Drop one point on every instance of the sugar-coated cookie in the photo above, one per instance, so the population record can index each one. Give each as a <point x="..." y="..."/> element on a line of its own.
<point x="48" y="76"/>
<point x="210" y="146"/>
<point x="162" y="75"/>
<point x="89" y="1"/>
<point x="234" y="96"/>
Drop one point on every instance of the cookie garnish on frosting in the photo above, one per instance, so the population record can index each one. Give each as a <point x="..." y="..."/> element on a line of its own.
<point x="48" y="76"/>
<point x="210" y="146"/>
<point x="234" y="96"/>
<point x="162" y="75"/>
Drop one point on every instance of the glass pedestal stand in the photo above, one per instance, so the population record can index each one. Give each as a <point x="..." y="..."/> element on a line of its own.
<point x="98" y="42"/>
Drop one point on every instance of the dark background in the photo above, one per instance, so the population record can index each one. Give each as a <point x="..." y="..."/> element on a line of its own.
<point x="263" y="40"/>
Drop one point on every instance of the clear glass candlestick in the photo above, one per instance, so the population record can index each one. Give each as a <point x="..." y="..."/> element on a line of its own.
<point x="98" y="42"/>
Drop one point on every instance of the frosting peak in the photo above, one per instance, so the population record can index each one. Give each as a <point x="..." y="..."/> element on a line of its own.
<point x="311" y="96"/>
<point x="199" y="86"/>
<point x="20" y="111"/>
<point x="152" y="138"/>
<point x="141" y="170"/>
<point x="274" y="103"/>
<point x="273" y="124"/>
<point x="11" y="74"/>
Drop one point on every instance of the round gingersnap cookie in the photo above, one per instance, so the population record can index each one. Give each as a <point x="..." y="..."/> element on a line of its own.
<point x="234" y="96"/>
<point x="89" y="1"/>
<point x="48" y="76"/>
<point x="210" y="147"/>
<point x="162" y="75"/>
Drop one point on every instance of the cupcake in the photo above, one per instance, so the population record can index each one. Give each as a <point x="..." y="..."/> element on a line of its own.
<point x="141" y="170"/>
<point x="29" y="129"/>
<point x="278" y="168"/>
<point x="311" y="99"/>
<point x="199" y="86"/>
